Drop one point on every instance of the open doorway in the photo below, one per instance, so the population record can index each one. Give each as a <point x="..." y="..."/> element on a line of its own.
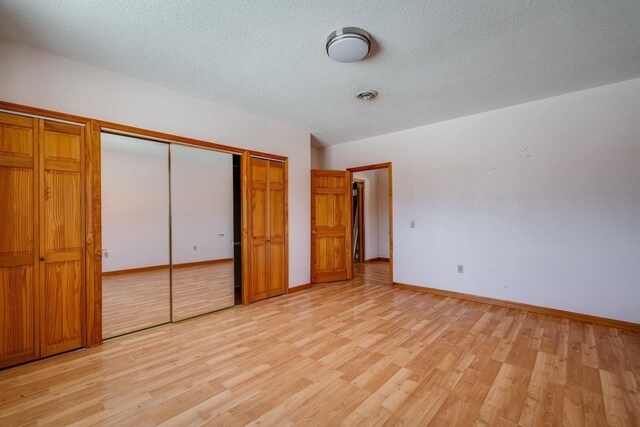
<point x="358" y="220"/>
<point x="332" y="221"/>
<point x="372" y="213"/>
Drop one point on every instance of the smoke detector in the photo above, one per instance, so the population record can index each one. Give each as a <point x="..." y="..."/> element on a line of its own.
<point x="348" y="44"/>
<point x="367" y="95"/>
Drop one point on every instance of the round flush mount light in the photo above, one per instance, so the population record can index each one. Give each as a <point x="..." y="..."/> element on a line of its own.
<point x="367" y="95"/>
<point x="349" y="44"/>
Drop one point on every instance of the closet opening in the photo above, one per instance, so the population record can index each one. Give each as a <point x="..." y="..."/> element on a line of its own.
<point x="237" y="228"/>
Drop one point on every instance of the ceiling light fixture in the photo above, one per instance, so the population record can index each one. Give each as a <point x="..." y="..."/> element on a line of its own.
<point x="348" y="44"/>
<point x="367" y="95"/>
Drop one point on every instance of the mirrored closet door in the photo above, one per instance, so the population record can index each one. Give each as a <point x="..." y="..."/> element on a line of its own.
<point x="135" y="234"/>
<point x="170" y="215"/>
<point x="202" y="230"/>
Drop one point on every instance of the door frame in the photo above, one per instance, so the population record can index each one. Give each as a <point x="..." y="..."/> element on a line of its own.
<point x="389" y="167"/>
<point x="361" y="226"/>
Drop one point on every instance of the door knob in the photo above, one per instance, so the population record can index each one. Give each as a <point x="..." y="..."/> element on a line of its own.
<point x="41" y="258"/>
<point x="314" y="232"/>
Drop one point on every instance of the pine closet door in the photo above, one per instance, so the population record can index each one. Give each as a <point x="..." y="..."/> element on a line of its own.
<point x="61" y="200"/>
<point x="276" y="226"/>
<point x="18" y="239"/>
<point x="267" y="228"/>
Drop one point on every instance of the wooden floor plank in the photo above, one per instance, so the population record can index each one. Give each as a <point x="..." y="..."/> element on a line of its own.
<point x="348" y="353"/>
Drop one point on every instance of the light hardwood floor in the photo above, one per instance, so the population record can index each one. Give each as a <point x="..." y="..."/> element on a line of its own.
<point x="137" y="300"/>
<point x="350" y="353"/>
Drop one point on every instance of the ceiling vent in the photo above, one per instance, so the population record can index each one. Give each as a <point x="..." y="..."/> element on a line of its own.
<point x="367" y="95"/>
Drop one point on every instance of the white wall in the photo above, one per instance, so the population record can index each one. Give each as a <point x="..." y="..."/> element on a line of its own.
<point x="316" y="159"/>
<point x="201" y="204"/>
<point x="540" y="202"/>
<point x="135" y="203"/>
<point x="37" y="78"/>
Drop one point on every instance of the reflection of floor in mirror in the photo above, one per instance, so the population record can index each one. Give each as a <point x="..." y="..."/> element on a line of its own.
<point x="201" y="289"/>
<point x="135" y="300"/>
<point x="138" y="300"/>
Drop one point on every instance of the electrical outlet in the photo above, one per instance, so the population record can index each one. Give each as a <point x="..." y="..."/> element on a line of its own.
<point x="195" y="247"/>
<point x="105" y="253"/>
<point x="412" y="223"/>
<point x="460" y="268"/>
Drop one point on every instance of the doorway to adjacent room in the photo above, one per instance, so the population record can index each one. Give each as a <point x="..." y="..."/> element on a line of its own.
<point x="372" y="214"/>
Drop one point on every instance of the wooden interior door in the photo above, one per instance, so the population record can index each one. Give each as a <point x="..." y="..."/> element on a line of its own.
<point x="62" y="308"/>
<point x="267" y="228"/>
<point x="18" y="239"/>
<point x="276" y="229"/>
<point x="331" y="239"/>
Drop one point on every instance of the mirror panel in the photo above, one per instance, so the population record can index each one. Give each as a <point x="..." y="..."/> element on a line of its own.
<point x="135" y="234"/>
<point x="202" y="231"/>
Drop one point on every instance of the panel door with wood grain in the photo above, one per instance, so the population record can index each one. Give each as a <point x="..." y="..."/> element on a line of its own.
<point x="18" y="239"/>
<point x="258" y="191"/>
<point x="62" y="293"/>
<point x="330" y="226"/>
<point x="267" y="234"/>
<point x="276" y="230"/>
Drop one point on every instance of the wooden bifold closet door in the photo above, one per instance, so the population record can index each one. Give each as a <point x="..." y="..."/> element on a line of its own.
<point x="18" y="239"/>
<point x="42" y="298"/>
<point x="267" y="228"/>
<point x="61" y="243"/>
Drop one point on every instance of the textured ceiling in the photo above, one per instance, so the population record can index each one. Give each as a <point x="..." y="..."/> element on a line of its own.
<point x="432" y="60"/>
